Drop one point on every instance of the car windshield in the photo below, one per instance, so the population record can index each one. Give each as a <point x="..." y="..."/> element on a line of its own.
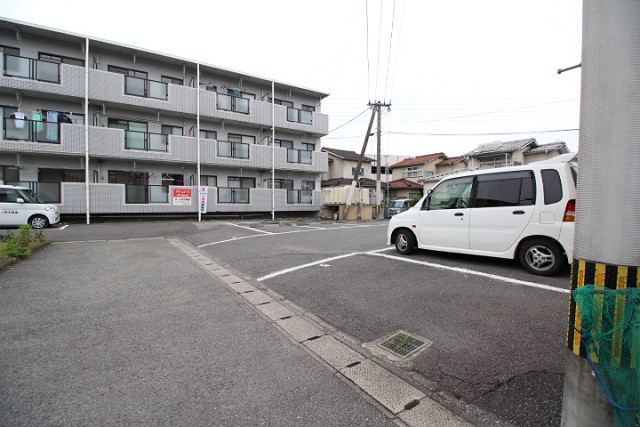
<point x="397" y="203"/>
<point x="30" y="196"/>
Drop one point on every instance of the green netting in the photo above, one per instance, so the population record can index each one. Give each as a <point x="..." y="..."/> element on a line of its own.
<point x="610" y="330"/>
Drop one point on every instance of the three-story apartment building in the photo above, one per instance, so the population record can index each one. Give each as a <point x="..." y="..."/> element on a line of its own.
<point x="102" y="128"/>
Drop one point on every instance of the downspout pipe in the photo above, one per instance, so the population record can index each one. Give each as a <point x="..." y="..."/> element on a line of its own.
<point x="86" y="132"/>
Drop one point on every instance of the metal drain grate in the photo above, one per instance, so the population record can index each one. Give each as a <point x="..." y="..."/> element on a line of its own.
<point x="403" y="344"/>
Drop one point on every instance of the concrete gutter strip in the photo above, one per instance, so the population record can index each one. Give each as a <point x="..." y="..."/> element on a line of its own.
<point x="410" y="405"/>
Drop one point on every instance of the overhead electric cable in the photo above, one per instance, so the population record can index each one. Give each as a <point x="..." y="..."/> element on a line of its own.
<point x="393" y="20"/>
<point x="344" y="124"/>
<point x="366" y="8"/>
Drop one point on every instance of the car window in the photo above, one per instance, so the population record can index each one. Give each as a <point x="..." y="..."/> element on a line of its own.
<point x="552" y="186"/>
<point x="505" y="189"/>
<point x="451" y="194"/>
<point x="8" y="196"/>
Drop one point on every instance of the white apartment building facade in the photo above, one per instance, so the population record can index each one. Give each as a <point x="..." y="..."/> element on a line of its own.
<point x="107" y="129"/>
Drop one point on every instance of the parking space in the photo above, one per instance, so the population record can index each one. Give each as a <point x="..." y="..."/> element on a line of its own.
<point x="497" y="332"/>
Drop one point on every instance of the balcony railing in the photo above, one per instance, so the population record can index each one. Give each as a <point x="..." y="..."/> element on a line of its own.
<point x="233" y="195"/>
<point x="232" y="103"/>
<point x="146" y="88"/>
<point x="299" y="156"/>
<point x="34" y="69"/>
<point x="145" y="141"/>
<point x="299" y="197"/>
<point x="236" y="150"/>
<point x="140" y="194"/>
<point x="299" y="116"/>
<point x="31" y="130"/>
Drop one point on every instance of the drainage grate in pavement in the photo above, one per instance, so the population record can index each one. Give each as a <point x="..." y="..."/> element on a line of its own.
<point x="403" y="344"/>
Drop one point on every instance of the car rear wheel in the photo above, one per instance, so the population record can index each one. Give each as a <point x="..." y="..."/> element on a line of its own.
<point x="405" y="242"/>
<point x="39" y="222"/>
<point x="541" y="257"/>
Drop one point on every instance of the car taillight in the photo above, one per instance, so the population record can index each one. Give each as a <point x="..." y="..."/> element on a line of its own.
<point x="570" y="211"/>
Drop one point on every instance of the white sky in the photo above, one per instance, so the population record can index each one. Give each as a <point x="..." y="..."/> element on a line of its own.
<point x="458" y="73"/>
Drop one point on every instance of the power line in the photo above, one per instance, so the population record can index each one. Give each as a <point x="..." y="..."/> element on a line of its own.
<point x="344" y="124"/>
<point x="460" y="134"/>
<point x="393" y="20"/>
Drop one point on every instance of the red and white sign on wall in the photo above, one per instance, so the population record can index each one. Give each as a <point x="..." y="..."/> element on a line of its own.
<point x="204" y="191"/>
<point x="182" y="196"/>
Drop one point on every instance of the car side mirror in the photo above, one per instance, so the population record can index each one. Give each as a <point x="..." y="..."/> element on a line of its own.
<point x="19" y="200"/>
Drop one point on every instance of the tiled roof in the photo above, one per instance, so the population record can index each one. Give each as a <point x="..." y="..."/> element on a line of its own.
<point x="440" y="176"/>
<point x="404" y="183"/>
<point x="451" y="161"/>
<point x="346" y="155"/>
<point x="545" y="148"/>
<point x="501" y="147"/>
<point x="420" y="160"/>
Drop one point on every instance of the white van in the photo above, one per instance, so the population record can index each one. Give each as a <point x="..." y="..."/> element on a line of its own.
<point x="524" y="212"/>
<point x="20" y="206"/>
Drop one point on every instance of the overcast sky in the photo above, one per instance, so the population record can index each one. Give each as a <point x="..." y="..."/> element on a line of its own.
<point x="457" y="73"/>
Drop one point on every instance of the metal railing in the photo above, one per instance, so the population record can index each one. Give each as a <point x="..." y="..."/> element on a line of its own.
<point x="299" y="156"/>
<point x="236" y="150"/>
<point x="31" y="130"/>
<point x="140" y="194"/>
<point x="299" y="116"/>
<point x="146" y="141"/>
<point x="233" y="195"/>
<point x="235" y="104"/>
<point x="146" y="88"/>
<point x="34" y="69"/>
<point x="299" y="197"/>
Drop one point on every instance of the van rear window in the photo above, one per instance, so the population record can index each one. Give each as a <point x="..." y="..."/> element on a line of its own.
<point x="552" y="186"/>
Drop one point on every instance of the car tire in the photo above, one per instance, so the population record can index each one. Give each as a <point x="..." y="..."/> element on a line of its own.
<point x="405" y="242"/>
<point x="541" y="257"/>
<point x="38" y="222"/>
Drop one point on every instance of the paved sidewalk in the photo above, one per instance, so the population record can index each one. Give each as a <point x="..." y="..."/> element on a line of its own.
<point x="153" y="332"/>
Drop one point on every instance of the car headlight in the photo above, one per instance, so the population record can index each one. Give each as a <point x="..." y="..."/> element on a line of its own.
<point x="50" y="208"/>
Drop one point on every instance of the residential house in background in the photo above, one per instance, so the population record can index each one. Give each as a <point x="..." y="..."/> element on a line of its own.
<point x="513" y="153"/>
<point x="155" y="127"/>
<point x="343" y="163"/>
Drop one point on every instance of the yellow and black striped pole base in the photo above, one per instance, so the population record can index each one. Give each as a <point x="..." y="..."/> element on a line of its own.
<point x="599" y="274"/>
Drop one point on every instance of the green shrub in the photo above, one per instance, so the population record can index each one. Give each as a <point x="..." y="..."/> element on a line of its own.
<point x="20" y="246"/>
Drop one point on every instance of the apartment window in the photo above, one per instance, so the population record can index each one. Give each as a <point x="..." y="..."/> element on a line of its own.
<point x="8" y="50"/>
<point x="136" y="185"/>
<point x="211" y="88"/>
<point x="172" y="179"/>
<point x="61" y="59"/>
<point x="280" y="184"/>
<point x="246" y="139"/>
<point x="209" y="180"/>
<point x="282" y="143"/>
<point x="281" y="102"/>
<point x="208" y="134"/>
<point x="137" y="137"/>
<point x="34" y="69"/>
<point x="234" y="103"/>
<point x="172" y="80"/>
<point x="60" y="175"/>
<point x="241" y="94"/>
<point x="237" y="190"/>
<point x="9" y="174"/>
<point x="127" y="72"/>
<point x="172" y="130"/>
<point x="308" y="185"/>
<point x="307" y="108"/>
<point x="308" y="146"/>
<point x="236" y="182"/>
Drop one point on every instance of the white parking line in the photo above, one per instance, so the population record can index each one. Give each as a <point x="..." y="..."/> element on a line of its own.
<point x="467" y="271"/>
<point x="424" y="263"/>
<point x="268" y="233"/>
<point x="248" y="228"/>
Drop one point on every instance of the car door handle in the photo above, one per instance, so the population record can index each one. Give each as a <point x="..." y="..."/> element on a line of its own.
<point x="458" y="214"/>
<point x="518" y="212"/>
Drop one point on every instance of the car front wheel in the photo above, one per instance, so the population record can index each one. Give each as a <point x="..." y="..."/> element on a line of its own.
<point x="405" y="242"/>
<point x="39" y="222"/>
<point x="541" y="257"/>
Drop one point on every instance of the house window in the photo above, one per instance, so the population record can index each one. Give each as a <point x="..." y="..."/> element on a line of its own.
<point x="172" y="80"/>
<point x="61" y="59"/>
<point x="412" y="172"/>
<point x="353" y="171"/>
<point x="208" y="134"/>
<point x="209" y="180"/>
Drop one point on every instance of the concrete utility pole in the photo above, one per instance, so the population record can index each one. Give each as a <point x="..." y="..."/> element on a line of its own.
<point x="606" y="252"/>
<point x="379" y="105"/>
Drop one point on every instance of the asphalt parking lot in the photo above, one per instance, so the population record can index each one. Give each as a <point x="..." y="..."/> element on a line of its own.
<point x="495" y="333"/>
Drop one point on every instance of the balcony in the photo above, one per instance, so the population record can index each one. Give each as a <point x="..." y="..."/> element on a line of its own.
<point x="234" y="150"/>
<point x="299" y="156"/>
<point x="145" y="141"/>
<point x="299" y="116"/>
<point x="31" y="130"/>
<point x="146" y="88"/>
<point x="233" y="195"/>
<point x="33" y="69"/>
<point x="234" y="104"/>
<point x="299" y="197"/>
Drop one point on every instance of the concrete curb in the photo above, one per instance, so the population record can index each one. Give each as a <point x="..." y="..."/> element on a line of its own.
<point x="10" y="262"/>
